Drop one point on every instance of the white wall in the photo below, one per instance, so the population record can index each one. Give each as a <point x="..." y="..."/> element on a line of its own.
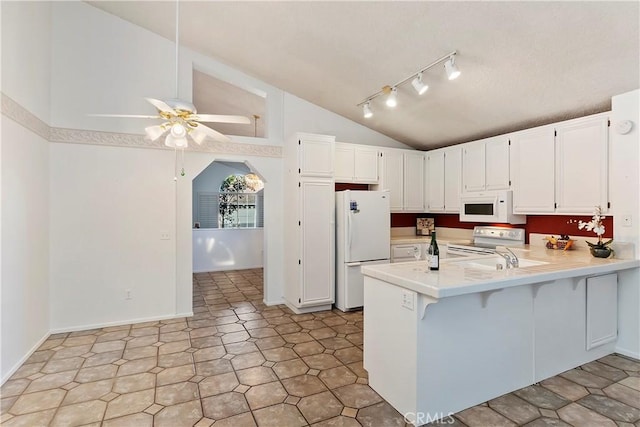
<point x="218" y="249"/>
<point x="24" y="185"/>
<point x="625" y="201"/>
<point x="109" y="207"/>
<point x="26" y="54"/>
<point x="303" y="116"/>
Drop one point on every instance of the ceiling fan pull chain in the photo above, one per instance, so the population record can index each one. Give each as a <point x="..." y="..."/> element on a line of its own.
<point x="175" y="163"/>
<point x="182" y="171"/>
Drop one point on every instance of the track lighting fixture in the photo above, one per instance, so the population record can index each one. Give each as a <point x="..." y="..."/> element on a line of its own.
<point x="451" y="68"/>
<point x="419" y="85"/>
<point x="392" y="98"/>
<point x="416" y="81"/>
<point x="366" y="110"/>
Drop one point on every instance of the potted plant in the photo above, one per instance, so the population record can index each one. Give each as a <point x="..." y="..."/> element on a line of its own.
<point x="600" y="249"/>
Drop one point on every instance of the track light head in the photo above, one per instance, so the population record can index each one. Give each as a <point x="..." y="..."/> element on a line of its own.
<point x="419" y="85"/>
<point x="366" y="110"/>
<point x="451" y="68"/>
<point x="392" y="99"/>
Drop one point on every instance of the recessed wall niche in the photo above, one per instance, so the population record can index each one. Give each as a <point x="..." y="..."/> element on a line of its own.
<point x="214" y="96"/>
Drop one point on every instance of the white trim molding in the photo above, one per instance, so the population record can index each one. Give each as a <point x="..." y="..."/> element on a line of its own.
<point x="23" y="117"/>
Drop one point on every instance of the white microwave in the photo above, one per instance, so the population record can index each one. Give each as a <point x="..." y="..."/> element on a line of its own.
<point x="489" y="206"/>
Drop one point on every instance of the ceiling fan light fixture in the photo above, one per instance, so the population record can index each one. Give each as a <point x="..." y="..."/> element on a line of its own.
<point x="366" y="110"/>
<point x="450" y="67"/>
<point x="419" y="85"/>
<point x="154" y="132"/>
<point x="392" y="99"/>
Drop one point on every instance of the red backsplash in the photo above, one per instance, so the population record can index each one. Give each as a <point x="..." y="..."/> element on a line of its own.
<point x="541" y="224"/>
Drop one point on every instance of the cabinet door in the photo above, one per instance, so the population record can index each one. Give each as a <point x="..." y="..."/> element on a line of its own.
<point x="317" y="241"/>
<point x="392" y="176"/>
<point x="452" y="178"/>
<point x="602" y="310"/>
<point x="473" y="166"/>
<point x="496" y="153"/>
<point x="533" y="171"/>
<point x="414" y="182"/>
<point x="366" y="165"/>
<point x="344" y="163"/>
<point x="316" y="158"/>
<point x="581" y="165"/>
<point x="436" y="181"/>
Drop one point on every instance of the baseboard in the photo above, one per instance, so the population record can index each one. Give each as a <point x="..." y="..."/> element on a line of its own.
<point x="20" y="362"/>
<point x="277" y="302"/>
<point x="119" y="323"/>
<point x="628" y="353"/>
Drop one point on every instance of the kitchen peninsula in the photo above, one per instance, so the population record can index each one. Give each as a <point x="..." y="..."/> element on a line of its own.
<point x="436" y="343"/>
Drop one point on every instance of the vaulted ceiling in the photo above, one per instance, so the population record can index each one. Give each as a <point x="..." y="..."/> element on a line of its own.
<point x="523" y="63"/>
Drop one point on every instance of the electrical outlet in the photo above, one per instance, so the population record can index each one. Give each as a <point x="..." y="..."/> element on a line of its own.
<point x="164" y="235"/>
<point x="626" y="221"/>
<point x="127" y="294"/>
<point x="407" y="300"/>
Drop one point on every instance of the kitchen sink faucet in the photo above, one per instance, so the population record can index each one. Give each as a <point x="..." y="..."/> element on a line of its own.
<point x="510" y="258"/>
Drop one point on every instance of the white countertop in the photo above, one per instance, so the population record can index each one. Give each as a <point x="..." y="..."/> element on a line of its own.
<point x="453" y="279"/>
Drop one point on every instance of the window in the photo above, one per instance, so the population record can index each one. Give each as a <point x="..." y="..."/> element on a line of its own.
<point x="238" y="204"/>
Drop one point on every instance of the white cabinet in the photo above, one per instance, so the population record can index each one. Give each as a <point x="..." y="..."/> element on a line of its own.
<point x="436" y="181"/>
<point x="443" y="172"/>
<point x="602" y="310"/>
<point x="413" y="181"/>
<point x="533" y="170"/>
<point x="581" y="164"/>
<point x="473" y="166"/>
<point x="561" y="168"/>
<point x="452" y="179"/>
<point x="317" y="212"/>
<point x="315" y="158"/>
<point x="309" y="225"/>
<point x="485" y="164"/>
<point x="392" y="176"/>
<point x="356" y="163"/>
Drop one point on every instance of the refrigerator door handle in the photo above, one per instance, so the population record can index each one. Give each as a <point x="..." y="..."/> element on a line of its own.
<point x="353" y="264"/>
<point x="349" y="228"/>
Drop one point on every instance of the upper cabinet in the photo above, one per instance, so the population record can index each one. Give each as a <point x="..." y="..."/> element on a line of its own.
<point x="392" y="177"/>
<point x="581" y="164"/>
<point x="356" y="163"/>
<point x="485" y="164"/>
<point x="533" y="170"/>
<point x="443" y="177"/>
<point x="315" y="157"/>
<point x="452" y="179"/>
<point x="402" y="173"/>
<point x="561" y="168"/>
<point x="414" y="181"/>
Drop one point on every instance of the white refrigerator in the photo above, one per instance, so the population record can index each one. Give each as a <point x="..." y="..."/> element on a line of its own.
<point x="362" y="238"/>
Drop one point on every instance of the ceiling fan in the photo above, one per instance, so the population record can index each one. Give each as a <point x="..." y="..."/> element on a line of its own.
<point x="181" y="118"/>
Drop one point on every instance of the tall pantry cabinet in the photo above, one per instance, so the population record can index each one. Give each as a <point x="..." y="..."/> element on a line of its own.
<point x="309" y="222"/>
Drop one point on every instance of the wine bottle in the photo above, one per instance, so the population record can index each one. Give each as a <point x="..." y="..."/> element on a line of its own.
<point x="434" y="253"/>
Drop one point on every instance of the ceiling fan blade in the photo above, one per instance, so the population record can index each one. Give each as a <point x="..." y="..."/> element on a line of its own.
<point x="200" y="132"/>
<point x="162" y="106"/>
<point x="216" y="118"/>
<point x="131" y="116"/>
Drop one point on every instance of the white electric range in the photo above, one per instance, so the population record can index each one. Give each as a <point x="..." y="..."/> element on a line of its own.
<point x="486" y="239"/>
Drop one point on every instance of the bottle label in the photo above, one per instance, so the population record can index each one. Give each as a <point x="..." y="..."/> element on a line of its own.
<point x="434" y="262"/>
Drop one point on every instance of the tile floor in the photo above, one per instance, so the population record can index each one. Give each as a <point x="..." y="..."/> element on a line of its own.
<point x="239" y="363"/>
